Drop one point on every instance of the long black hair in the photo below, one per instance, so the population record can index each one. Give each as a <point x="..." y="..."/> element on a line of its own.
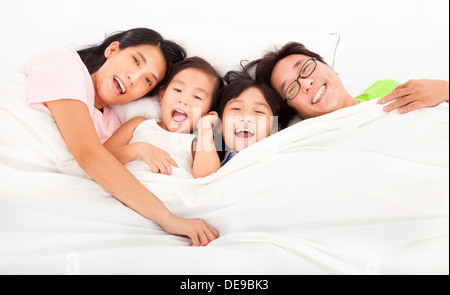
<point x="94" y="56"/>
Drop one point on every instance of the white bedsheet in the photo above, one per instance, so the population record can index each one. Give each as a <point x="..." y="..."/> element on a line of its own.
<point x="358" y="191"/>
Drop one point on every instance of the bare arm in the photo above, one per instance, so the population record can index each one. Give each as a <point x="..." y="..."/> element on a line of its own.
<point x="82" y="141"/>
<point x="158" y="160"/>
<point x="206" y="159"/>
<point x="119" y="145"/>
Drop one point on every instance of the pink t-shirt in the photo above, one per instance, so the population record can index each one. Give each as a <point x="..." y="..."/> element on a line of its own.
<point x="59" y="73"/>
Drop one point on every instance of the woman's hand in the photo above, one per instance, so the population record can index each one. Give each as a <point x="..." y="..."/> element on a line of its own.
<point x="198" y="231"/>
<point x="416" y="94"/>
<point x="157" y="159"/>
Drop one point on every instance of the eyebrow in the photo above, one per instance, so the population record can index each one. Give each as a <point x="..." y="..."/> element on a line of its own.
<point x="296" y="65"/>
<point x="196" y="88"/>
<point x="237" y="100"/>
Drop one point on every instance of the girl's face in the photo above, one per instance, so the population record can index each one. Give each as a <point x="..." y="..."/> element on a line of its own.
<point x="186" y="99"/>
<point x="128" y="74"/>
<point x="246" y="120"/>
<point x="320" y="93"/>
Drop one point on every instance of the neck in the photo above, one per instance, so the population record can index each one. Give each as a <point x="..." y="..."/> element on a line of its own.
<point x="98" y="104"/>
<point x="349" y="101"/>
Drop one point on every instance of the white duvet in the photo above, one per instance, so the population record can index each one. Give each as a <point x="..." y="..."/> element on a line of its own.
<point x="358" y="191"/>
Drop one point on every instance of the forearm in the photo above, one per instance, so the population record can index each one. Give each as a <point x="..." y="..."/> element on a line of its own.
<point x="82" y="140"/>
<point x="206" y="161"/>
<point x="126" y="153"/>
<point x="109" y="173"/>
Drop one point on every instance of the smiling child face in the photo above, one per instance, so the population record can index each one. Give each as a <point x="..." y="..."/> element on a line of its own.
<point x="186" y="99"/>
<point x="247" y="119"/>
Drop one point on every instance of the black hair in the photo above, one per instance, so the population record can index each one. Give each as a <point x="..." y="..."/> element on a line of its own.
<point x="265" y="65"/>
<point x="239" y="81"/>
<point x="94" y="56"/>
<point x="202" y="65"/>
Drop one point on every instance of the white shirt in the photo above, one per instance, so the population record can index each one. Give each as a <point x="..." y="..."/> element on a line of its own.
<point x="177" y="145"/>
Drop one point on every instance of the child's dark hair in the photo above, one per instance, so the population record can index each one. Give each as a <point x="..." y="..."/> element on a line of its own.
<point x="202" y="65"/>
<point x="239" y="81"/>
<point x="94" y="56"/>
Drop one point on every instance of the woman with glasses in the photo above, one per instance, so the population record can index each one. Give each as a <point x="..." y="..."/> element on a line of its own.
<point x="311" y="87"/>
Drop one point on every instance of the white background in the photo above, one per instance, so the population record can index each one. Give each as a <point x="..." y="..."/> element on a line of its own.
<point x="396" y="39"/>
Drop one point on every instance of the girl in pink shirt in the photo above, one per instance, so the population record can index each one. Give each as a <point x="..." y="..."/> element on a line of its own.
<point x="78" y="87"/>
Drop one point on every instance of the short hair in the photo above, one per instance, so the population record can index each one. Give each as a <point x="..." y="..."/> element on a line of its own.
<point x="265" y="65"/>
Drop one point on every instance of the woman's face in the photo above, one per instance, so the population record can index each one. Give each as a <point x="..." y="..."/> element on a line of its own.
<point x="246" y="120"/>
<point x="128" y="74"/>
<point x="186" y="99"/>
<point x="321" y="93"/>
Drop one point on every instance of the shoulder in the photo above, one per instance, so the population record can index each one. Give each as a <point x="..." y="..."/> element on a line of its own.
<point x="378" y="89"/>
<point x="135" y="122"/>
<point x="59" y="56"/>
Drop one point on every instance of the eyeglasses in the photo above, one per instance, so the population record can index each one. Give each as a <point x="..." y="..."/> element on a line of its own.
<point x="307" y="69"/>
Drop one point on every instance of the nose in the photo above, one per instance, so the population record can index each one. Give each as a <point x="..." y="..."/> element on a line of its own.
<point x="182" y="100"/>
<point x="246" y="118"/>
<point x="135" y="77"/>
<point x="306" y="84"/>
<point x="132" y="78"/>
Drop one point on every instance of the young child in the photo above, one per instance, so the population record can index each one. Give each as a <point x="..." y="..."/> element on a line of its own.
<point x="250" y="111"/>
<point x="189" y="94"/>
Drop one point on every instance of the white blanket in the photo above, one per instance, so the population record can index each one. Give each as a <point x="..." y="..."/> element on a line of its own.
<point x="358" y="191"/>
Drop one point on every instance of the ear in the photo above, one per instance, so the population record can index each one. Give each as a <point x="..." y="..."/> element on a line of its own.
<point x="219" y="128"/>
<point x="161" y="93"/>
<point x="112" y="49"/>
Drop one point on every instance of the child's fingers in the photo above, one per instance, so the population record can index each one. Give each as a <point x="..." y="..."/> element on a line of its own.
<point x="153" y="167"/>
<point x="172" y="161"/>
<point x="162" y="168"/>
<point x="168" y="167"/>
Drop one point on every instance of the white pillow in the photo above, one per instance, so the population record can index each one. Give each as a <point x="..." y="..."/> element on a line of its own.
<point x="225" y="50"/>
<point x="147" y="107"/>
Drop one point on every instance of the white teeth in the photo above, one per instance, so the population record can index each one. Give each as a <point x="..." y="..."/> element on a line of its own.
<point x="245" y="130"/>
<point x="121" y="85"/>
<point x="319" y="94"/>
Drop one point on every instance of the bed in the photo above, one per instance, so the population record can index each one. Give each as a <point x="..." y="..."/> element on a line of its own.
<point x="358" y="191"/>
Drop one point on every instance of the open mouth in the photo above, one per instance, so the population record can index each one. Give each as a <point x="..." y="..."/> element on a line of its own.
<point x="319" y="94"/>
<point x="119" y="86"/>
<point x="179" y="116"/>
<point x="244" y="133"/>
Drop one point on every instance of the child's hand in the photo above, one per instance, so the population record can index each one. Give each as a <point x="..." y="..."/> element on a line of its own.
<point x="210" y="120"/>
<point x="157" y="159"/>
<point x="198" y="231"/>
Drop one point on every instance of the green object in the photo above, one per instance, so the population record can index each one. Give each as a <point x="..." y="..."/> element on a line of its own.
<point x="378" y="90"/>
